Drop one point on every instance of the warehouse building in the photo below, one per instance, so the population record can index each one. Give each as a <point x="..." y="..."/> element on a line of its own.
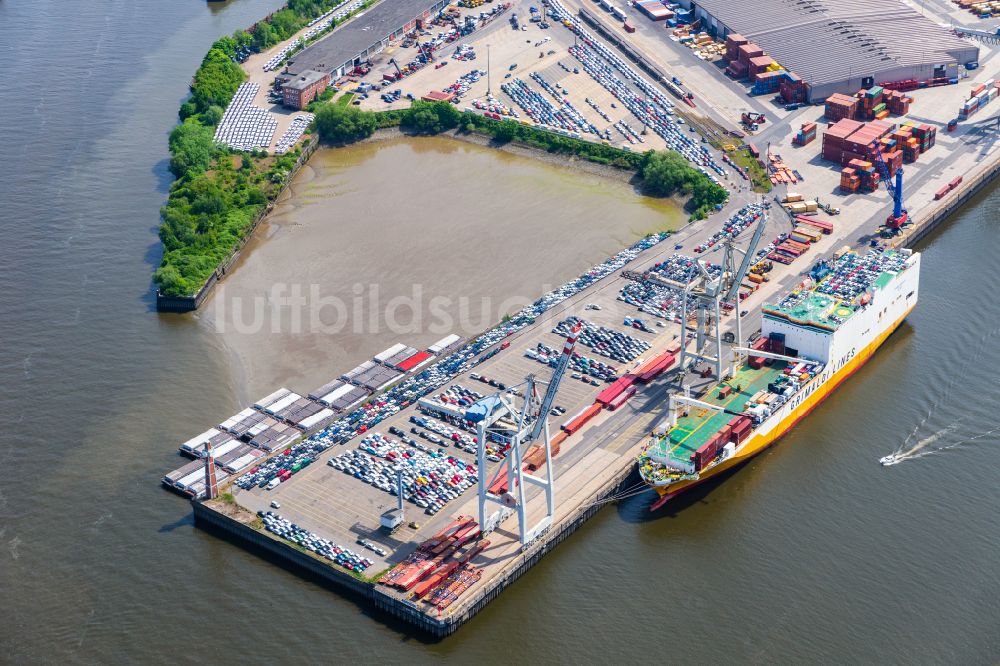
<point x="841" y="46"/>
<point x="363" y="36"/>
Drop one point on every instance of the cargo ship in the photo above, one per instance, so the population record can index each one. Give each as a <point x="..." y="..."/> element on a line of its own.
<point x="811" y="340"/>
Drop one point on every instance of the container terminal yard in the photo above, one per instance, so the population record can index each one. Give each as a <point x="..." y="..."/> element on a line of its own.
<point x="312" y="475"/>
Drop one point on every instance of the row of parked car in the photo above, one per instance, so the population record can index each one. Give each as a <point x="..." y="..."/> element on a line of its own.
<point x="300" y="536"/>
<point x="428" y="480"/>
<point x="604" y="341"/>
<point x="282" y="467"/>
<point x="584" y="367"/>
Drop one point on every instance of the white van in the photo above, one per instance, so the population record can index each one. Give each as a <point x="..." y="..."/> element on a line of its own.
<point x="273" y="483"/>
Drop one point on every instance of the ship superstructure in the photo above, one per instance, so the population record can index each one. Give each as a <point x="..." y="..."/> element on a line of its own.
<point x="811" y="340"/>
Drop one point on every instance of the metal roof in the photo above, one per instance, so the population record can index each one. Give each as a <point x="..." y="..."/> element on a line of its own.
<point x="359" y="34"/>
<point x="304" y="79"/>
<point x="827" y="41"/>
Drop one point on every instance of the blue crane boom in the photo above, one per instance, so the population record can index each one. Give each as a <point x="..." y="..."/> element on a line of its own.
<point x="899" y="215"/>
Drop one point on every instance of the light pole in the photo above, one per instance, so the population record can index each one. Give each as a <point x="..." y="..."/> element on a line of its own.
<point x="489" y="87"/>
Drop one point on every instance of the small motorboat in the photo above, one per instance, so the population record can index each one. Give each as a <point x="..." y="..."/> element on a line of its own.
<point x="888" y="460"/>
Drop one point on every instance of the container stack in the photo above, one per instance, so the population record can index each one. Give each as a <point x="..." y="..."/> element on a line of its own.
<point x="806" y="134"/>
<point x="980" y="96"/>
<point x="840" y="106"/>
<point x="897" y="103"/>
<point x="767" y="82"/>
<point x="733" y="44"/>
<point x="759" y="65"/>
<point x="870" y="103"/>
<point x="739" y="53"/>
<point x="868" y="176"/>
<point x="849" y="180"/>
<point x="737" y="67"/>
<point x="793" y="89"/>
<point x="848" y="140"/>
<point x="835" y="136"/>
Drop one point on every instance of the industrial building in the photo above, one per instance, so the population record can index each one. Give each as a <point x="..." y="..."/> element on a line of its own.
<point x="299" y="90"/>
<point x="364" y="36"/>
<point x="841" y="46"/>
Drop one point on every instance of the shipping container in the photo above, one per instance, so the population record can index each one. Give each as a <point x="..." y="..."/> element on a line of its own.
<point x="621" y="399"/>
<point x="581" y="419"/>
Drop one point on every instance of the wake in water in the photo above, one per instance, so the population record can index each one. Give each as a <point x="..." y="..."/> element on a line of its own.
<point x="921" y="448"/>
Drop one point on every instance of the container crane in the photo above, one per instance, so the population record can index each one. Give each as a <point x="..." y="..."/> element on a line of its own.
<point x="498" y="417"/>
<point x="709" y="292"/>
<point x="900" y="217"/>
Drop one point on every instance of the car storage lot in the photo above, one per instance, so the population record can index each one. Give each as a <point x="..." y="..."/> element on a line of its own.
<point x="520" y="48"/>
<point x="339" y="507"/>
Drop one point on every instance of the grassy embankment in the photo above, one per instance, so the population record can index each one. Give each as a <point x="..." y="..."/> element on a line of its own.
<point x="218" y="192"/>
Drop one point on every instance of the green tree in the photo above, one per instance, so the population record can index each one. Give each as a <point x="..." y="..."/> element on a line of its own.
<point x="216" y="80"/>
<point x="505" y="132"/>
<point x="212" y="116"/>
<point x="169" y="280"/>
<point x="341" y="124"/>
<point x="192" y="148"/>
<point x="431" y="117"/>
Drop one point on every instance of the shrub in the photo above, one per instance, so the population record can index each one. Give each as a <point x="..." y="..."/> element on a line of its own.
<point x="342" y="124"/>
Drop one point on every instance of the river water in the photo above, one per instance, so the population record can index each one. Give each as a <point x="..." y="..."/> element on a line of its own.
<point x="812" y="552"/>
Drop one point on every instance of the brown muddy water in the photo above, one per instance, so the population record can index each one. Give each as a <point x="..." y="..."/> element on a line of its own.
<point x="812" y="553"/>
<point x="409" y="240"/>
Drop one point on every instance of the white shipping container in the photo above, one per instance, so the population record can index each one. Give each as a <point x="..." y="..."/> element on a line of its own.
<point x="443" y="343"/>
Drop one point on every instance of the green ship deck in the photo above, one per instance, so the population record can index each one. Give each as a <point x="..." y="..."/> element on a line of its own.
<point x="700" y="424"/>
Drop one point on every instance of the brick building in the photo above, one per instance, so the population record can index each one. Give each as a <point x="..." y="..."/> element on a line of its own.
<point x="300" y="89"/>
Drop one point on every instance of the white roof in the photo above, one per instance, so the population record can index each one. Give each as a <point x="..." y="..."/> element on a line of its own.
<point x="233" y="420"/>
<point x="319" y="416"/>
<point x="279" y="405"/>
<point x="223" y="449"/>
<point x="200" y="440"/>
<point x="337" y="393"/>
<point x="263" y="403"/>
<point x="444" y="343"/>
<point x="391" y="351"/>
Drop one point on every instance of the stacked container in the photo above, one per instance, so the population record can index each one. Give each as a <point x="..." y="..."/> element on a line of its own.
<point x="840" y="106"/>
<point x="849" y="179"/>
<point x="793" y="89"/>
<point x="806" y="134"/>
<point x="835" y="136"/>
<point x="733" y="44"/>
<point x="870" y="102"/>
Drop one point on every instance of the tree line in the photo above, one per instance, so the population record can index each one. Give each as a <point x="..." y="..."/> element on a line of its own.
<point x="664" y="173"/>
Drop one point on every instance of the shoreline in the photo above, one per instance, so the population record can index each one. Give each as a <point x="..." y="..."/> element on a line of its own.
<point x="182" y="304"/>
<point x="384" y="134"/>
